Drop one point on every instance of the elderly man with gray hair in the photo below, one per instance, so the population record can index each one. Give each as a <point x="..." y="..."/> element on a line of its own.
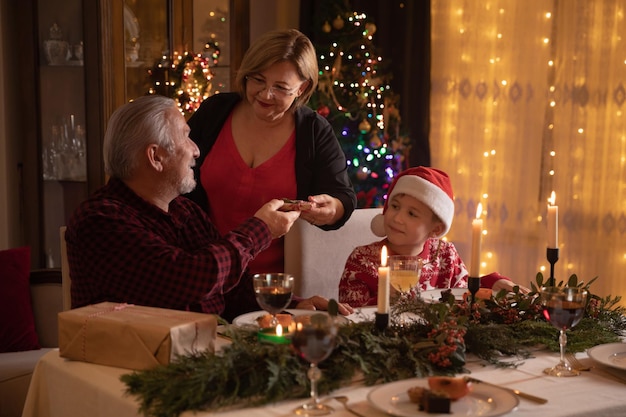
<point x="137" y="240"/>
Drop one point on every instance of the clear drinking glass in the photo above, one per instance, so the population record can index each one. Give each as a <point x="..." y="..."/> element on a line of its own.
<point x="563" y="307"/>
<point x="273" y="292"/>
<point x="314" y="340"/>
<point x="404" y="273"/>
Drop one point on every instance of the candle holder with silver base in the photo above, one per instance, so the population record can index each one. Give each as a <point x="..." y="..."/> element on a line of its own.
<point x="553" y="256"/>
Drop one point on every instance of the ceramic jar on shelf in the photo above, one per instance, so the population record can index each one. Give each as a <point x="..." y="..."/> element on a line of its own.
<point x="56" y="49"/>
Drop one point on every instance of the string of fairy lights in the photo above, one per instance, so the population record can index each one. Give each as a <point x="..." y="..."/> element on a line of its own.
<point x="498" y="37"/>
<point x="186" y="77"/>
<point x="548" y="151"/>
<point x="356" y="97"/>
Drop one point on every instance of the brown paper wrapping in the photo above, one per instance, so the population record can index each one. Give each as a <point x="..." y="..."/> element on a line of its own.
<point x="133" y="337"/>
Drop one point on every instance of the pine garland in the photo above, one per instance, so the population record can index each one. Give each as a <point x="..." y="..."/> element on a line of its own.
<point x="502" y="330"/>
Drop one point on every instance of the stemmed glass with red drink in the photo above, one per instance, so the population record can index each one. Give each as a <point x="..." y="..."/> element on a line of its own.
<point x="273" y="292"/>
<point x="314" y="339"/>
<point x="563" y="307"/>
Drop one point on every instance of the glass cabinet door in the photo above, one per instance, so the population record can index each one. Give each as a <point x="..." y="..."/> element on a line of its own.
<point x="146" y="42"/>
<point x="62" y="116"/>
<point x="93" y="56"/>
<point x="83" y="75"/>
<point x="177" y="48"/>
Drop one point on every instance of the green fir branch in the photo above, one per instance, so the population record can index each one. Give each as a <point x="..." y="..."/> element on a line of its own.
<point x="503" y="330"/>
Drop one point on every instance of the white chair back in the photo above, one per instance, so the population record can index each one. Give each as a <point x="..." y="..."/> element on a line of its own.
<point x="317" y="258"/>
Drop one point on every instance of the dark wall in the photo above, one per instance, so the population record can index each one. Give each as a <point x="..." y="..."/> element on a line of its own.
<point x="403" y="37"/>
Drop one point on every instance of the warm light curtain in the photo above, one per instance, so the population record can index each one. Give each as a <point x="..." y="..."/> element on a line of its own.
<point x="528" y="98"/>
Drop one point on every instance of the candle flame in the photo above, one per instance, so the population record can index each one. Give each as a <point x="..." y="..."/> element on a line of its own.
<point x="552" y="198"/>
<point x="279" y="330"/>
<point x="383" y="256"/>
<point x="479" y="210"/>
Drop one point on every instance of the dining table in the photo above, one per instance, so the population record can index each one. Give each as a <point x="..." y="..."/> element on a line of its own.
<point x="67" y="388"/>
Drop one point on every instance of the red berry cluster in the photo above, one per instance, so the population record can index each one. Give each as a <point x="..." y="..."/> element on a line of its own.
<point x="594" y="308"/>
<point x="506" y="315"/>
<point x="450" y="336"/>
<point x="467" y="308"/>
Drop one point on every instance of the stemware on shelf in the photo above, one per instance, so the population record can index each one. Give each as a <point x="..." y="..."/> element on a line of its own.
<point x="64" y="152"/>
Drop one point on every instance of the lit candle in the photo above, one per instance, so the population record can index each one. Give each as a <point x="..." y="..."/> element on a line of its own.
<point x="383" y="283"/>
<point x="553" y="222"/>
<point x="274" y="335"/>
<point x="477" y="231"/>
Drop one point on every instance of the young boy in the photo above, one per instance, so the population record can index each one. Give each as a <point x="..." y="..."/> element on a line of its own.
<point x="418" y="212"/>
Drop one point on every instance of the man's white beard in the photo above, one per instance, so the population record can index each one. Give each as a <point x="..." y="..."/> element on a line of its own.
<point x="187" y="185"/>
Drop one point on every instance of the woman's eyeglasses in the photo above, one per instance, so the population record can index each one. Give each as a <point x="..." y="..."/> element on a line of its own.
<point x="277" y="91"/>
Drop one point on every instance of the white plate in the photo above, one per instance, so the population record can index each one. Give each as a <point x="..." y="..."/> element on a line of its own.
<point x="435" y="295"/>
<point x="485" y="401"/>
<point x="251" y="318"/>
<point x="610" y="354"/>
<point x="360" y="314"/>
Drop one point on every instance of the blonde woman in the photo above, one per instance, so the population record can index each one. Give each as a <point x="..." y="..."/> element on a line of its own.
<point x="264" y="142"/>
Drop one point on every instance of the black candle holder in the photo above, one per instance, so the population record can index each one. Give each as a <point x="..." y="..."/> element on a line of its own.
<point x="553" y="256"/>
<point x="473" y="285"/>
<point x="381" y="321"/>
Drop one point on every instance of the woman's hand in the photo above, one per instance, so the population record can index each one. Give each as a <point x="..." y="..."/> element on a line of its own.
<point x="505" y="284"/>
<point x="325" y="210"/>
<point x="320" y="303"/>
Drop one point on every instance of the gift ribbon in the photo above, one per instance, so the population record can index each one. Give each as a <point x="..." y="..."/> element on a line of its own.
<point x="118" y="307"/>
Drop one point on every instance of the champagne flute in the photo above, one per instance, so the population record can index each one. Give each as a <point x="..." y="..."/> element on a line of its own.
<point x="563" y="307"/>
<point x="314" y="340"/>
<point x="273" y="292"/>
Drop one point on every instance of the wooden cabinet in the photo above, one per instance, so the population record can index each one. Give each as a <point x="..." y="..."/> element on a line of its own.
<point x="90" y="57"/>
<point x="61" y="121"/>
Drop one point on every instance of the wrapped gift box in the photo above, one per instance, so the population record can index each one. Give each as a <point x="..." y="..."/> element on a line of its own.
<point x="133" y="337"/>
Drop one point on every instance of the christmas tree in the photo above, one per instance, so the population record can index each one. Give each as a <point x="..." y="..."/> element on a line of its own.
<point x="185" y="77"/>
<point x="354" y="95"/>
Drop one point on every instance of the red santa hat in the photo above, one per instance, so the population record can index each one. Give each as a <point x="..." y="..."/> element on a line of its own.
<point x="430" y="186"/>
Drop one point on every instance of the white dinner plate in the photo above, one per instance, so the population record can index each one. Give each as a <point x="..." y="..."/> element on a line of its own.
<point x="484" y="400"/>
<point x="251" y="318"/>
<point x="610" y="354"/>
<point x="360" y="314"/>
<point x="435" y="295"/>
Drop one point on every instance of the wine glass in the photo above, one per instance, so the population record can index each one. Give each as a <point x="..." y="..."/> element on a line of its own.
<point x="563" y="307"/>
<point x="314" y="340"/>
<point x="404" y="273"/>
<point x="273" y="292"/>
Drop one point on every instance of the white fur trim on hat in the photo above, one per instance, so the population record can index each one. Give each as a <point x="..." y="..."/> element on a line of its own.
<point x="425" y="191"/>
<point x="378" y="225"/>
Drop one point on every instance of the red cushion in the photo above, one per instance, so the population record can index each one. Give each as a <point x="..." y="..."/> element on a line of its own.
<point x="17" y="323"/>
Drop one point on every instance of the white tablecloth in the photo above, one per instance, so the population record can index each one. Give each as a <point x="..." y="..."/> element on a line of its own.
<point x="63" y="388"/>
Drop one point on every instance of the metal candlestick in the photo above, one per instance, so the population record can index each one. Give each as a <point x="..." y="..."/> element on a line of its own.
<point x="473" y="285"/>
<point x="553" y="256"/>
